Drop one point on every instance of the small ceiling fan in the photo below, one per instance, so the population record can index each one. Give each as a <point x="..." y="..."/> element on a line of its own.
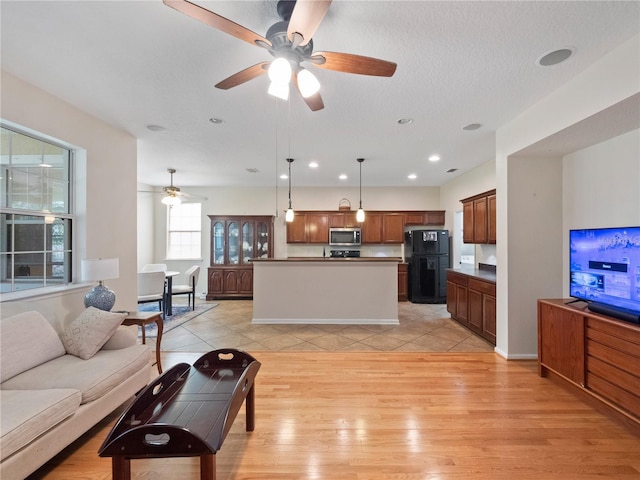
<point x="172" y="195"/>
<point x="290" y="42"/>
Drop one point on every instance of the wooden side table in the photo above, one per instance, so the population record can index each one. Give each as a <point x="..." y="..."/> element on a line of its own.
<point x="145" y="318"/>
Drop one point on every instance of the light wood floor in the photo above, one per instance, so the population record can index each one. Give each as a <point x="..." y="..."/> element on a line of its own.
<point x="393" y="416"/>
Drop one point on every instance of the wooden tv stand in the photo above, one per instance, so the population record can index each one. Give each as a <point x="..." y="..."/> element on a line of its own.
<point x="596" y="355"/>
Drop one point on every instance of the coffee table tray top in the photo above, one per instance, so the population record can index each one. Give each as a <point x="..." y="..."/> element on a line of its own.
<point x="188" y="410"/>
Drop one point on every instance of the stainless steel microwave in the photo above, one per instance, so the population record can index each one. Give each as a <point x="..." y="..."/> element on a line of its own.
<point x="345" y="236"/>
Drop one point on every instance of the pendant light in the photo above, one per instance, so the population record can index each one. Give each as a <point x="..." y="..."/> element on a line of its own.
<point x="360" y="213"/>
<point x="289" y="215"/>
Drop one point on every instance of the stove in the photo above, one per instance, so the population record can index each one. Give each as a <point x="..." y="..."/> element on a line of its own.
<point x="345" y="253"/>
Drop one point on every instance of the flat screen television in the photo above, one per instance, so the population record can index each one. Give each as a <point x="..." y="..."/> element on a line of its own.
<point x="605" y="270"/>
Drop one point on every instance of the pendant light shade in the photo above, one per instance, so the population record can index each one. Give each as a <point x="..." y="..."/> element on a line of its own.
<point x="360" y="213"/>
<point x="289" y="215"/>
<point x="171" y="200"/>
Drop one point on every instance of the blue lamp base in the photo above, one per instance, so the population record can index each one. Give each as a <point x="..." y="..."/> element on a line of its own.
<point x="100" y="297"/>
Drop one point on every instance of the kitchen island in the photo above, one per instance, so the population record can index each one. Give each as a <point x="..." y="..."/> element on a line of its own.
<point x="318" y="290"/>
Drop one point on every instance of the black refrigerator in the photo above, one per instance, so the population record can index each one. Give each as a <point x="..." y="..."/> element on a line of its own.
<point x="427" y="253"/>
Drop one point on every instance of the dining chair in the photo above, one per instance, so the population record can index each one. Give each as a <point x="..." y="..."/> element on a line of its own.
<point x="151" y="289"/>
<point x="154" y="267"/>
<point x="190" y="287"/>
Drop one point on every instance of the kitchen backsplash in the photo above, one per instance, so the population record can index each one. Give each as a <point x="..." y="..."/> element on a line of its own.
<point x="365" y="250"/>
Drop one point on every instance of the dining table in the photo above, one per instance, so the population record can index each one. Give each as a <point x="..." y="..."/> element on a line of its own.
<point x="168" y="306"/>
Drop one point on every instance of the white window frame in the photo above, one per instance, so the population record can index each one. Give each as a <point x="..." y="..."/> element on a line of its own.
<point x="174" y="234"/>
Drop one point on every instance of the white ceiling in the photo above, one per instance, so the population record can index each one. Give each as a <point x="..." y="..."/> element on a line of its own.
<point x="137" y="63"/>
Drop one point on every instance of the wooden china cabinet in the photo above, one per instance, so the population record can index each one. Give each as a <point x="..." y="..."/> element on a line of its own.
<point x="235" y="241"/>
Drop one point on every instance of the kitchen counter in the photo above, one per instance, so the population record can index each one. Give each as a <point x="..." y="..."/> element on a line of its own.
<point x="480" y="273"/>
<point x="317" y="290"/>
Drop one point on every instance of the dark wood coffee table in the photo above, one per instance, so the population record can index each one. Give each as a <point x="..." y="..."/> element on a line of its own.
<point x="187" y="411"/>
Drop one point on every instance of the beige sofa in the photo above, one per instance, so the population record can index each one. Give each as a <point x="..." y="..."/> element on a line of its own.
<point x="57" y="384"/>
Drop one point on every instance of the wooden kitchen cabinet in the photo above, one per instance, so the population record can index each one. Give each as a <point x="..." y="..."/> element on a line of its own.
<point x="235" y="241"/>
<point x="471" y="301"/>
<point x="392" y="227"/>
<point x="343" y="219"/>
<point x="478" y="217"/>
<point x="482" y="308"/>
<point x="596" y="356"/>
<point x="379" y="227"/>
<point x="372" y="228"/>
<point x="403" y="282"/>
<point x="491" y="218"/>
<point x="457" y="297"/>
<point x="309" y="227"/>
<point x="297" y="230"/>
<point x="317" y="225"/>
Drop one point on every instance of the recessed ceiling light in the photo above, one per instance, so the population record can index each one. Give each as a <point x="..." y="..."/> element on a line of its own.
<point x="412" y="176"/>
<point x="313" y="164"/>
<point x="216" y="121"/>
<point x="284" y="176"/>
<point x="472" y="126"/>
<point x="434" y="158"/>
<point x="405" y="121"/>
<point x="156" y="128"/>
<point x="343" y="176"/>
<point x="555" y="57"/>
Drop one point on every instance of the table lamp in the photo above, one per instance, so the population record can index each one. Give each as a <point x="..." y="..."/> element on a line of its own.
<point x="100" y="269"/>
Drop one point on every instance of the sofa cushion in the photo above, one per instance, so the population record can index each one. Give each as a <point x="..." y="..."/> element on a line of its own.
<point x="27" y="414"/>
<point x="124" y="337"/>
<point x="93" y="377"/>
<point x="26" y="341"/>
<point x="90" y="331"/>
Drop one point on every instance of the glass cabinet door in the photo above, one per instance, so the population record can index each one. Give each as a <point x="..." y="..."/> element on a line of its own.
<point x="247" y="242"/>
<point x="233" y="242"/>
<point x="262" y="245"/>
<point x="217" y="243"/>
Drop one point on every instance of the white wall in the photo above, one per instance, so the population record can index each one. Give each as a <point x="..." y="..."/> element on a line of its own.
<point x="611" y="80"/>
<point x="600" y="188"/>
<point x="265" y="201"/>
<point x="108" y="219"/>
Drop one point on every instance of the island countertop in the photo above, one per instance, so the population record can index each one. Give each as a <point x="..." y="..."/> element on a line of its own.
<point x="321" y="290"/>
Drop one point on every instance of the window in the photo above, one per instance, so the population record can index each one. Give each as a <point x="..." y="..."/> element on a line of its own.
<point x="184" y="231"/>
<point x="35" y="212"/>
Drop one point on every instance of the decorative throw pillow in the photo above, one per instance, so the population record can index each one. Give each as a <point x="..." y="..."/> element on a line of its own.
<point x="90" y="331"/>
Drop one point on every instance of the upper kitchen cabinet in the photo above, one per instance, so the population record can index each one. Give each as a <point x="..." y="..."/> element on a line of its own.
<point x="379" y="227"/>
<point x="308" y="227"/>
<point x="479" y="218"/>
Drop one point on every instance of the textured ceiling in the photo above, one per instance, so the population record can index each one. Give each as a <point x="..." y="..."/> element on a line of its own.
<point x="136" y="63"/>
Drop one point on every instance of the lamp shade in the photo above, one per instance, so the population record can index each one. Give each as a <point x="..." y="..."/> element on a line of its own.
<point x="171" y="200"/>
<point x="308" y="83"/>
<point x="100" y="269"/>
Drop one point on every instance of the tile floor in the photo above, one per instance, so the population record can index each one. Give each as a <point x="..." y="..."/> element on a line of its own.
<point x="423" y="328"/>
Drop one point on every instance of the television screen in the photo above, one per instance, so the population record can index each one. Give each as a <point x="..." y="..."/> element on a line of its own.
<point x="605" y="268"/>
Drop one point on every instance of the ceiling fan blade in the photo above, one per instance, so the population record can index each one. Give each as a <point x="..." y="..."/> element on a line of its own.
<point x="314" y="102"/>
<point x="306" y="18"/>
<point x="349" y="63"/>
<point x="216" y="21"/>
<point x="190" y="196"/>
<point x="243" y="76"/>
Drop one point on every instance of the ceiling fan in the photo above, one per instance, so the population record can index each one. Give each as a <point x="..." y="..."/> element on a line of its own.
<point x="289" y="40"/>
<point x="172" y="195"/>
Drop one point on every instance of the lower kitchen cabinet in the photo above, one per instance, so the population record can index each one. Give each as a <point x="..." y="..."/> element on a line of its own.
<point x="472" y="302"/>
<point x="230" y="282"/>
<point x="403" y="282"/>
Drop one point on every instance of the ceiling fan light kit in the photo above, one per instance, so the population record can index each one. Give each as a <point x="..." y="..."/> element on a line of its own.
<point x="289" y="41"/>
